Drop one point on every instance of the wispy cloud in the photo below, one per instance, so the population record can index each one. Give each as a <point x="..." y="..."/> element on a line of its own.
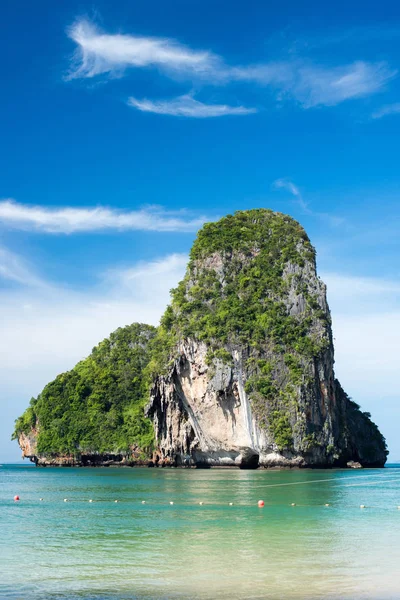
<point x="318" y="86"/>
<point x="307" y="83"/>
<point x="312" y="85"/>
<point x="99" y="53"/>
<point x="187" y="106"/>
<point x="134" y="278"/>
<point x="289" y="186"/>
<point x="388" y="109"/>
<point x="14" y="268"/>
<point x="73" y="220"/>
<point x="285" y="184"/>
<point x="70" y="322"/>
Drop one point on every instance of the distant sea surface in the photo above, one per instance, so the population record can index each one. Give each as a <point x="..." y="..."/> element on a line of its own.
<point x="52" y="549"/>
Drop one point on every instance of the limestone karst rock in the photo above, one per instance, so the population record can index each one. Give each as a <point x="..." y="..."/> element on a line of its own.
<point x="93" y="414"/>
<point x="240" y="370"/>
<point x="247" y="378"/>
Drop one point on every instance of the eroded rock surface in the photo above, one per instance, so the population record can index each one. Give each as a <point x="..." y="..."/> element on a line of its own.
<point x="240" y="371"/>
<point x="270" y="398"/>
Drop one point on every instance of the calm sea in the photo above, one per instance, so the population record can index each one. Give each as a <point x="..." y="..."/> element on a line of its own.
<point x="76" y="549"/>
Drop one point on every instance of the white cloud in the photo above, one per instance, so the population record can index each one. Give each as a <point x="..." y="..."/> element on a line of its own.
<point x="289" y="186"/>
<point x="49" y="327"/>
<point x="313" y="85"/>
<point x="286" y="184"/>
<point x="309" y="84"/>
<point x="319" y="86"/>
<point x="388" y="109"/>
<point x="13" y="268"/>
<point x="187" y="106"/>
<point x="100" y="53"/>
<point x="136" y="279"/>
<point x="72" y="220"/>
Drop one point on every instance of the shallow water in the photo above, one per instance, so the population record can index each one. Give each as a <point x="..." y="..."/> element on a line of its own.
<point x="76" y="549"/>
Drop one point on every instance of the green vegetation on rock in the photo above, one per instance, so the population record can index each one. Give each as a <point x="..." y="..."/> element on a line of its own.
<point x="235" y="284"/>
<point x="242" y="275"/>
<point x="252" y="301"/>
<point x="98" y="406"/>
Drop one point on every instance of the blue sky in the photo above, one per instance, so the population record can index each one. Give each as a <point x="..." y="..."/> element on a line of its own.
<point x="125" y="125"/>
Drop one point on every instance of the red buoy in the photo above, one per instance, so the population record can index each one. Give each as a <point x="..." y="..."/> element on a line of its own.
<point x="16" y="498"/>
<point x="260" y="503"/>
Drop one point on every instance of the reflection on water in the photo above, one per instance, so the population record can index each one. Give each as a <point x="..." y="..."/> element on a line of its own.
<point x="104" y="549"/>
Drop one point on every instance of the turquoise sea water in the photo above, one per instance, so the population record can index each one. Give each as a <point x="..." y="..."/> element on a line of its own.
<point x="76" y="549"/>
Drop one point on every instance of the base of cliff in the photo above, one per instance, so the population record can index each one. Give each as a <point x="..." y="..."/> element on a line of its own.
<point x="277" y="463"/>
<point x="89" y="460"/>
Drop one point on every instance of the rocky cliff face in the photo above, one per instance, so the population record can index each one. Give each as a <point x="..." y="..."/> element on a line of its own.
<point x="239" y="372"/>
<point x="28" y="443"/>
<point x="249" y="376"/>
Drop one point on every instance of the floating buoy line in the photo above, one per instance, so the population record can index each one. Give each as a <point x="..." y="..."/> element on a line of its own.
<point x="261" y="503"/>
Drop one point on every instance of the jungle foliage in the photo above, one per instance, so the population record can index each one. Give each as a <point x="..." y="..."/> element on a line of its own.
<point x="98" y="406"/>
<point x="235" y="294"/>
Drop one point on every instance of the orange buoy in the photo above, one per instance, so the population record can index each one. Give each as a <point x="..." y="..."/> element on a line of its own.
<point x="16" y="498"/>
<point x="260" y="503"/>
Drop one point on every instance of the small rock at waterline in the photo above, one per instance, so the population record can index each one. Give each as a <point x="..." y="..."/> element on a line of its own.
<point x="352" y="464"/>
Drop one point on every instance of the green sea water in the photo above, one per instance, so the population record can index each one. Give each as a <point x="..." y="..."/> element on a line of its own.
<point x="125" y="550"/>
